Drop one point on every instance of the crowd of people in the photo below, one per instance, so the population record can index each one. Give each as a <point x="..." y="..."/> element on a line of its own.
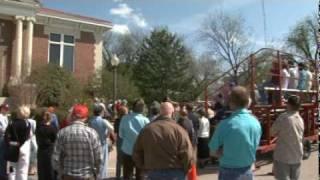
<point x="167" y="144"/>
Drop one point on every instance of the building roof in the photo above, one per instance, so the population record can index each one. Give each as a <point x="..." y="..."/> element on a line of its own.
<point x="27" y="1"/>
<point x="73" y="17"/>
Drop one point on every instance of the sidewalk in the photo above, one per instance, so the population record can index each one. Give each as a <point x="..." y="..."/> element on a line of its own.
<point x="309" y="169"/>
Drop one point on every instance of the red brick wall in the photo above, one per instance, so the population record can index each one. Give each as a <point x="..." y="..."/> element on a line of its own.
<point x="40" y="47"/>
<point x="84" y="56"/>
<point x="83" y="53"/>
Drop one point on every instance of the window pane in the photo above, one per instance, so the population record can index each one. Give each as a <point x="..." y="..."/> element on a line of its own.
<point x="68" y="39"/>
<point x="54" y="56"/>
<point x="68" y="58"/>
<point x="55" y="37"/>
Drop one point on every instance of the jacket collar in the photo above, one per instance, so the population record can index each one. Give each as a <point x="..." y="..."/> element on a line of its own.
<point x="164" y="118"/>
<point x="241" y="111"/>
<point x="78" y="123"/>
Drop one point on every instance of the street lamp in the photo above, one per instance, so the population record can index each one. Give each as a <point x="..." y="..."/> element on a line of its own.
<point x="114" y="63"/>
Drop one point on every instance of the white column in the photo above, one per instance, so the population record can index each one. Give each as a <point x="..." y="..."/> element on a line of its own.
<point x="98" y="50"/>
<point x="17" y="50"/>
<point x="28" y="47"/>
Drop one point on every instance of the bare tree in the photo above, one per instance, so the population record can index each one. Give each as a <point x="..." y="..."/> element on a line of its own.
<point x="204" y="69"/>
<point x="227" y="39"/>
<point x="303" y="38"/>
<point x="124" y="45"/>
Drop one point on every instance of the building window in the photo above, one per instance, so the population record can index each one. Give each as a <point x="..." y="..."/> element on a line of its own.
<point x="61" y="50"/>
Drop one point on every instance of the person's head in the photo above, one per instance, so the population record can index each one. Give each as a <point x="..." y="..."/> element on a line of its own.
<point x="138" y="106"/>
<point x="293" y="103"/>
<point x="23" y="112"/>
<point x="155" y="108"/>
<point x="51" y="109"/>
<point x="301" y="66"/>
<point x="46" y="116"/>
<point x="239" y="98"/>
<point x="96" y="100"/>
<point x="183" y="110"/>
<point x="123" y="110"/>
<point x="189" y="107"/>
<point x="202" y="112"/>
<point x="80" y="113"/>
<point x="291" y="64"/>
<point x="284" y="65"/>
<point x="4" y="109"/>
<point x="97" y="110"/>
<point x="166" y="109"/>
<point x="124" y="102"/>
<point x="176" y="107"/>
<point x="166" y="99"/>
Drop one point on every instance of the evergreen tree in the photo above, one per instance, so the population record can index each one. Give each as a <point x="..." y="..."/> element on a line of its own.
<point x="162" y="68"/>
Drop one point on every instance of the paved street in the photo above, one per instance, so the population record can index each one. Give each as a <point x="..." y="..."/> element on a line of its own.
<point x="309" y="169"/>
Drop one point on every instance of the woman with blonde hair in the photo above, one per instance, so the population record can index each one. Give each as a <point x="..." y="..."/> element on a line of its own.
<point x="18" y="134"/>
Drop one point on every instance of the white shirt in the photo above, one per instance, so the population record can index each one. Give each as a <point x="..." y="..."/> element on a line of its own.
<point x="204" y="128"/>
<point x="285" y="77"/>
<point x="3" y="124"/>
<point x="309" y="80"/>
<point x="33" y="125"/>
<point x="294" y="78"/>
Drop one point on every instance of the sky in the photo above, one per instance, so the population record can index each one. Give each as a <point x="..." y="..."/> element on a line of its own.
<point x="185" y="17"/>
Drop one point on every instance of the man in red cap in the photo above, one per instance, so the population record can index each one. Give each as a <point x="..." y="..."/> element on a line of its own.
<point x="4" y="109"/>
<point x="77" y="151"/>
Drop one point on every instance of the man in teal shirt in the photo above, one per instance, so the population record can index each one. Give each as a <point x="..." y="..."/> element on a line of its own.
<point x="130" y="127"/>
<point x="236" y="139"/>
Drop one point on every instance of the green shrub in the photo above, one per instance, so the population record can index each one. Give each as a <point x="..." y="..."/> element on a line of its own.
<point x="55" y="87"/>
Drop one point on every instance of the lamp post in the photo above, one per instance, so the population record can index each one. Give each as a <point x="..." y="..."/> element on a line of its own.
<point x="114" y="63"/>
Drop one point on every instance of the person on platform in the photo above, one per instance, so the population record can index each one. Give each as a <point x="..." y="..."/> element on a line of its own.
<point x="4" y="110"/>
<point x="130" y="127"/>
<point x="104" y="130"/>
<point x="236" y="139"/>
<point x="285" y="76"/>
<point x="289" y="129"/>
<point x="77" y="150"/>
<point x="302" y="83"/>
<point x="46" y="136"/>
<point x="294" y="75"/>
<point x="163" y="148"/>
<point x="309" y="78"/>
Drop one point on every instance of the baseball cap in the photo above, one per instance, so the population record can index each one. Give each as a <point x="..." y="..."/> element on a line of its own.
<point x="80" y="111"/>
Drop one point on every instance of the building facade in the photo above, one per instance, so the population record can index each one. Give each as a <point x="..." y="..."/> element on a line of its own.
<point x="32" y="36"/>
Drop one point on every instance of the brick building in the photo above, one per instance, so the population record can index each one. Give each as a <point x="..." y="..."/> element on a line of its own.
<point x="32" y="36"/>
